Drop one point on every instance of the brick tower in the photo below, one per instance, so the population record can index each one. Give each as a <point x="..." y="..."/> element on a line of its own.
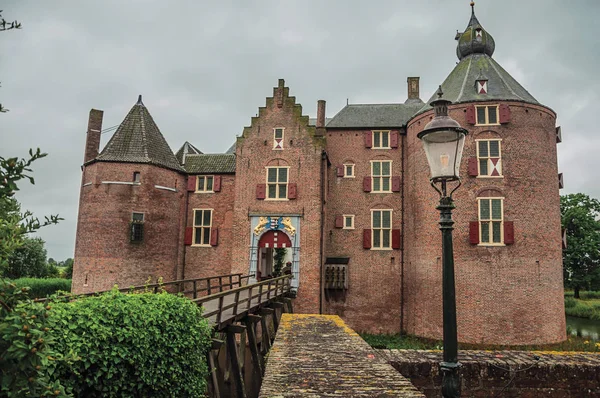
<point x="507" y="243"/>
<point x="131" y="206"/>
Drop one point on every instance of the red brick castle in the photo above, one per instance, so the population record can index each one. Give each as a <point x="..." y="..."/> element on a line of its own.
<point x="350" y="201"/>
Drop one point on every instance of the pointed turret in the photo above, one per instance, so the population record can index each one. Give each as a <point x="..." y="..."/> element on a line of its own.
<point x="475" y="39"/>
<point x="139" y="140"/>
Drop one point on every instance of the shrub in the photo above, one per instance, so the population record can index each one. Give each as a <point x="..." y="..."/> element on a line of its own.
<point x="39" y="288"/>
<point x="570" y="302"/>
<point x="27" y="357"/>
<point x="590" y="295"/>
<point x="142" y="345"/>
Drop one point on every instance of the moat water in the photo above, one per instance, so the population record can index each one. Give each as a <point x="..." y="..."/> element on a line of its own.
<point x="584" y="327"/>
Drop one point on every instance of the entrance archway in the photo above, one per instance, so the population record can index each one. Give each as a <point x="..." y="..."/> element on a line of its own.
<point x="268" y="242"/>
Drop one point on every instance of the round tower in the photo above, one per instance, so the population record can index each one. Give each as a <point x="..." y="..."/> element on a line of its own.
<point x="507" y="239"/>
<point x="131" y="207"/>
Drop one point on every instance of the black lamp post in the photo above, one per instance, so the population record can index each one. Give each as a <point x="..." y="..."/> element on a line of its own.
<point x="443" y="141"/>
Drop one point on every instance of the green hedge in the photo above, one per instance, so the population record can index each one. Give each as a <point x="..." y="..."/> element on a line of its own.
<point x="39" y="287"/>
<point x="132" y="345"/>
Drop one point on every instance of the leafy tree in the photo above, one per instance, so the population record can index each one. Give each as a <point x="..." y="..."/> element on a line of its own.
<point x="29" y="260"/>
<point x="68" y="272"/>
<point x="581" y="258"/>
<point x="279" y="257"/>
<point x="15" y="224"/>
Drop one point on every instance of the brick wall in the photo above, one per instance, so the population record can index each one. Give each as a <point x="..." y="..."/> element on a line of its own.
<point x="505" y="295"/>
<point x="302" y="153"/>
<point x="372" y="301"/>
<point x="203" y="261"/>
<point x="103" y="251"/>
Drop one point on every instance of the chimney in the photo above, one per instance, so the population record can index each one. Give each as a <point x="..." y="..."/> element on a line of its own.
<point x="92" y="142"/>
<point x="320" y="113"/>
<point x="413" y="88"/>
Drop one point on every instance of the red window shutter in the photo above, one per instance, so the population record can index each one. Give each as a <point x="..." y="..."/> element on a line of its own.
<point x="292" y="190"/>
<point x="396" y="184"/>
<point x="340" y="171"/>
<point x="217" y="184"/>
<point x="191" y="183"/>
<point x="393" y="139"/>
<point x="189" y="233"/>
<point x="214" y="236"/>
<point x="471" y="114"/>
<point x="561" y="183"/>
<point x="504" y="111"/>
<point x="368" y="139"/>
<point x="339" y="221"/>
<point x="367" y="184"/>
<point x="509" y="233"/>
<point x="396" y="237"/>
<point x="261" y="190"/>
<point x="472" y="168"/>
<point x="366" y="238"/>
<point x="474" y="232"/>
<point x="558" y="135"/>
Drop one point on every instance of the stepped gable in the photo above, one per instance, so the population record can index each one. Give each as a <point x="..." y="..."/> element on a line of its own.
<point x="139" y="140"/>
<point x="475" y="49"/>
<point x="212" y="163"/>
<point x="375" y="115"/>
<point x="186" y="149"/>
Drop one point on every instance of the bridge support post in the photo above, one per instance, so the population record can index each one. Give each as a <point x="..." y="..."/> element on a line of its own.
<point x="257" y="361"/>
<point x="276" y="305"/>
<point x="214" y="380"/>
<point x="288" y="305"/>
<point x="236" y="367"/>
<point x="266" y="336"/>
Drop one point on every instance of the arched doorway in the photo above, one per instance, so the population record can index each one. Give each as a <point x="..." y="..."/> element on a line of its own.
<point x="267" y="245"/>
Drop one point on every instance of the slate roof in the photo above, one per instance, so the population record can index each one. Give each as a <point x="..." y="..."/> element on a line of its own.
<point x="186" y="149"/>
<point x="375" y="115"/>
<point x="213" y="163"/>
<point x="138" y="140"/>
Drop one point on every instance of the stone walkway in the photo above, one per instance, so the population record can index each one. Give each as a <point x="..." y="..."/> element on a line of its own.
<point x="319" y="356"/>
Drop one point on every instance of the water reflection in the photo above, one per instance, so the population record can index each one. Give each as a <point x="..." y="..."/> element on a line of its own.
<point x="583" y="327"/>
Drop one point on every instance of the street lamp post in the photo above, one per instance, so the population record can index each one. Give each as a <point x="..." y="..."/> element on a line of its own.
<point x="443" y="140"/>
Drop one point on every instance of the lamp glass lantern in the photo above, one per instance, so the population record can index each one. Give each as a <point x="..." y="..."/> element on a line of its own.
<point x="443" y="141"/>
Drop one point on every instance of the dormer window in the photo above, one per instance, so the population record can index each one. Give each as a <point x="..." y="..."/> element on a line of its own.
<point x="482" y="86"/>
<point x="278" y="138"/>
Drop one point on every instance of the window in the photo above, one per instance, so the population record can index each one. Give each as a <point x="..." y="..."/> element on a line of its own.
<point x="349" y="170"/>
<point x="491" y="217"/>
<point x="348" y="221"/>
<point x="381" y="228"/>
<point x="136" y="176"/>
<point x="277" y="182"/>
<point x="137" y="227"/>
<point x="278" y="138"/>
<point x="202" y="225"/>
<point x="205" y="184"/>
<point x="381" y="171"/>
<point x="487" y="115"/>
<point x="381" y="139"/>
<point x="488" y="158"/>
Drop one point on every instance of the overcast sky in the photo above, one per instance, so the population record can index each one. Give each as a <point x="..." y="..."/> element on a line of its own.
<point x="204" y="68"/>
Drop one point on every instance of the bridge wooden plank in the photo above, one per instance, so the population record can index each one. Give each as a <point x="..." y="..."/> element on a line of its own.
<point x="319" y="356"/>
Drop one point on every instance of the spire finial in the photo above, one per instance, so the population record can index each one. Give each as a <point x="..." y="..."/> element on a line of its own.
<point x="439" y="92"/>
<point x="139" y="101"/>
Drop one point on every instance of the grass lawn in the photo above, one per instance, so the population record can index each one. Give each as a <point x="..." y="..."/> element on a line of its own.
<point x="586" y="308"/>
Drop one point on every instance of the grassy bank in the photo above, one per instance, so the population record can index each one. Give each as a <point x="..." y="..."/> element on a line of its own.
<point x="583" y="308"/>
<point x="405" y="342"/>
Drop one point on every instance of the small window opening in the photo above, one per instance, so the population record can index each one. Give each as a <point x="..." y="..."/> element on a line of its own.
<point x="136" y="176"/>
<point x="137" y="227"/>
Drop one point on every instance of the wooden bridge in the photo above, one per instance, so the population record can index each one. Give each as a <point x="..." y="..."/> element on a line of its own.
<point x="245" y="317"/>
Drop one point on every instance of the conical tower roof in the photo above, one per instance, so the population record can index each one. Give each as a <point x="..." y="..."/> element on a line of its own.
<point x="477" y="65"/>
<point x="139" y="140"/>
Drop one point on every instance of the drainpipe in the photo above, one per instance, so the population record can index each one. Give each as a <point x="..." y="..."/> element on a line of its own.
<point x="185" y="220"/>
<point x="402" y="232"/>
<point x="322" y="238"/>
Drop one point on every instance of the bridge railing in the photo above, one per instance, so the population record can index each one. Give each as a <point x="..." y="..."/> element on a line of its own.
<point x="230" y="304"/>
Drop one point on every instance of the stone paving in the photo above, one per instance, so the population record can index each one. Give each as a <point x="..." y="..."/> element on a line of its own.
<point x="319" y="356"/>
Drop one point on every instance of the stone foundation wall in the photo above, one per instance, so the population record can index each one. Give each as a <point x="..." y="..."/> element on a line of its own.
<point x="525" y="374"/>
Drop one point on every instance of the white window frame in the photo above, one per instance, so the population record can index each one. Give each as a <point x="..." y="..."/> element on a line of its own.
<point x="275" y="137"/>
<point x="204" y="190"/>
<point x="381" y="177"/>
<point x="348" y="216"/>
<point x="380" y="133"/>
<point x="490" y="222"/>
<point x="489" y="162"/>
<point x="202" y="227"/>
<point x="381" y="230"/>
<point x="277" y="184"/>
<point x="351" y="166"/>
<point x="487" y="115"/>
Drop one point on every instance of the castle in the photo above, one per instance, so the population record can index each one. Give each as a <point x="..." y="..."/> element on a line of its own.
<point x="349" y="199"/>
